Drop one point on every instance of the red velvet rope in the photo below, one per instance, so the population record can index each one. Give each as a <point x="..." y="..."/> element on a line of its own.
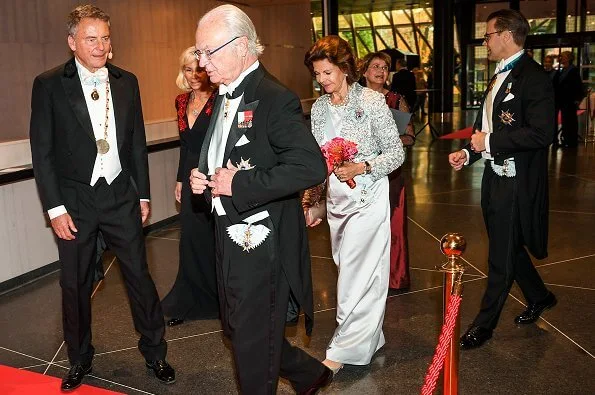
<point x="452" y="312"/>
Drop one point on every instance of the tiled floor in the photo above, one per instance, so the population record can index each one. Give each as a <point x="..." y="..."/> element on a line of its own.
<point x="554" y="356"/>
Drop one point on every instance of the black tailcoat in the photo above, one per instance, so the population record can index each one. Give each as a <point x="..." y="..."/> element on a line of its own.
<point x="526" y="139"/>
<point x="64" y="152"/>
<point x="255" y="286"/>
<point x="515" y="209"/>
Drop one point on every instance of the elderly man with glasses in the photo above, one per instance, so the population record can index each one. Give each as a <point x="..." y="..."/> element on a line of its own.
<point x="513" y="130"/>
<point x="257" y="156"/>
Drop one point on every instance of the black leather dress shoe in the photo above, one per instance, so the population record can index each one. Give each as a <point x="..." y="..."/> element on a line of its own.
<point x="74" y="377"/>
<point x="325" y="379"/>
<point x="163" y="371"/>
<point x="533" y="311"/>
<point x="175" y="321"/>
<point x="475" y="337"/>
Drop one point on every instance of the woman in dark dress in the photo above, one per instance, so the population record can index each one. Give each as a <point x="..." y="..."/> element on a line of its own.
<point x="194" y="294"/>
<point x="375" y="69"/>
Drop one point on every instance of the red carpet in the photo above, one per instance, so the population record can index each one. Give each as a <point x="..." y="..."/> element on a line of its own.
<point x="23" y="382"/>
<point x="459" y="134"/>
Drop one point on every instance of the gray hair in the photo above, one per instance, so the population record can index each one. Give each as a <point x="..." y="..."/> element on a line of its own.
<point x="237" y="23"/>
<point x="84" y="11"/>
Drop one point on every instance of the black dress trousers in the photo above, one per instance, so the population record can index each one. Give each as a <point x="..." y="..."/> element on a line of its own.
<point x="115" y="210"/>
<point x="508" y="260"/>
<point x="254" y="294"/>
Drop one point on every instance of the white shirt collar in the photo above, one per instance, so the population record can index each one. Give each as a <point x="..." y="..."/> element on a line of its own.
<point x="223" y="89"/>
<point x="89" y="78"/>
<point x="504" y="62"/>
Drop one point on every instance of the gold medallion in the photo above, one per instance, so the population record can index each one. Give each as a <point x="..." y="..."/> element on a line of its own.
<point x="95" y="95"/>
<point x="102" y="146"/>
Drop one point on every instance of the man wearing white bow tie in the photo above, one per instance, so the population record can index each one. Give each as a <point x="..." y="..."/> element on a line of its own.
<point x="259" y="154"/>
<point x="91" y="168"/>
<point x="513" y="130"/>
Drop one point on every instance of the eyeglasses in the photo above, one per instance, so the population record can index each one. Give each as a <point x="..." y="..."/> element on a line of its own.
<point x="208" y="53"/>
<point x="378" y="67"/>
<point x="486" y="37"/>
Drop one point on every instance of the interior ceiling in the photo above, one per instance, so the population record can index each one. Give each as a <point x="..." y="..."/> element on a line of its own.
<point x="361" y="6"/>
<point x="345" y="6"/>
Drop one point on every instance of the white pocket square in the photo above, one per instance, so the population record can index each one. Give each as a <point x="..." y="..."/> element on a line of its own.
<point x="242" y="141"/>
<point x="508" y="97"/>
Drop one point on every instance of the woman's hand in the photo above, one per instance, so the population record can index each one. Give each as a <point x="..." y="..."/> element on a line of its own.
<point x="178" y="192"/>
<point x="348" y="170"/>
<point x="310" y="221"/>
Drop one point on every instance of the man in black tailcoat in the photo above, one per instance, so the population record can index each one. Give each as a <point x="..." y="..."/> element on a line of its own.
<point x="258" y="154"/>
<point x="91" y="169"/>
<point x="513" y="130"/>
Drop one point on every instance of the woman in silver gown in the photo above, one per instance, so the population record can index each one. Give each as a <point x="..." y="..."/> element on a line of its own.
<point x="359" y="218"/>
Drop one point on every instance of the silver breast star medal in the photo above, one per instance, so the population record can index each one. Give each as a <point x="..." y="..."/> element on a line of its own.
<point x="506" y="117"/>
<point x="244" y="164"/>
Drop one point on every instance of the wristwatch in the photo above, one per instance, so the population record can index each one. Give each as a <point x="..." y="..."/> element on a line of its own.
<point x="368" y="168"/>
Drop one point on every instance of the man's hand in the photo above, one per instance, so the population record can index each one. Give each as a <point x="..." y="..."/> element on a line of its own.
<point x="478" y="141"/>
<point x="198" y="182"/>
<point x="348" y="170"/>
<point x="178" y="192"/>
<point x="220" y="183"/>
<point x="145" y="209"/>
<point x="457" y="159"/>
<point x="63" y="227"/>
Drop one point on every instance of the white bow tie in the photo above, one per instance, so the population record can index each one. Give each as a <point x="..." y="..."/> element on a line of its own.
<point x="223" y="90"/>
<point x="98" y="77"/>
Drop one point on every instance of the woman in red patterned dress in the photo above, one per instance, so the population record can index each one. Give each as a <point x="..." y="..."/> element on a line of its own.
<point x="375" y="68"/>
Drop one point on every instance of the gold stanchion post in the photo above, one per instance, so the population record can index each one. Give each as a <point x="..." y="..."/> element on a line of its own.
<point x="452" y="245"/>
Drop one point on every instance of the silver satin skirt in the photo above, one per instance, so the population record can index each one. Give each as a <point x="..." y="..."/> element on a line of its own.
<point x="359" y="221"/>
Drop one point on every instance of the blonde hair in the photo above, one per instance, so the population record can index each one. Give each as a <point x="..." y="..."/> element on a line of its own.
<point x="185" y="58"/>
<point x="237" y="23"/>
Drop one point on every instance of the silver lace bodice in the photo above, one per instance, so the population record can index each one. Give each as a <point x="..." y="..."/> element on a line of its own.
<point x="367" y="122"/>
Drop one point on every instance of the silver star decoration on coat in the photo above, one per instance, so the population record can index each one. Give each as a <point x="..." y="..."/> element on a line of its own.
<point x="507" y="117"/>
<point x="244" y="164"/>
